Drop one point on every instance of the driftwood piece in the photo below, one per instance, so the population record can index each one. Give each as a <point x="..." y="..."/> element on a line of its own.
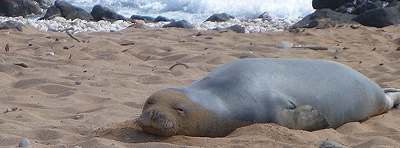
<point x="176" y="64"/>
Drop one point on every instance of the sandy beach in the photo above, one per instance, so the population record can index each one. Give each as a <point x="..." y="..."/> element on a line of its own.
<point x="85" y="91"/>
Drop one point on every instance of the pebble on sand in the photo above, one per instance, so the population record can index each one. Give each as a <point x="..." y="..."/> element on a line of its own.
<point x="285" y="45"/>
<point x="24" y="143"/>
<point x="11" y="109"/>
<point x="50" y="53"/>
<point x="2" y="61"/>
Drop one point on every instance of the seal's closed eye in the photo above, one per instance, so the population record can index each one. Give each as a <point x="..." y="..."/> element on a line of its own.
<point x="180" y="110"/>
<point x="150" y="101"/>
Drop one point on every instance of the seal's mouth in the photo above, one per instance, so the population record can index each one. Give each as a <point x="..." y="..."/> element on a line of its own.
<point x="156" y="122"/>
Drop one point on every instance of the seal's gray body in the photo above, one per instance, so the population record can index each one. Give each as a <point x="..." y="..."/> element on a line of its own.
<point x="258" y="90"/>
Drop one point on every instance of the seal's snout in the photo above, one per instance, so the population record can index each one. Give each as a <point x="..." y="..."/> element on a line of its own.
<point x="156" y="121"/>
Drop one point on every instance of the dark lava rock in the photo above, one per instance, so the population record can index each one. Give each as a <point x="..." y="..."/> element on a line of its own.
<point x="324" y="18"/>
<point x="266" y="16"/>
<point x="14" y="8"/>
<point x="103" y="13"/>
<point x="380" y="17"/>
<point x="44" y="3"/>
<point x="179" y="24"/>
<point x="330" y="144"/>
<point x="331" y="4"/>
<point x="360" y="6"/>
<point x="394" y="3"/>
<point x="68" y="11"/>
<point x="237" y="28"/>
<point x="11" y="25"/>
<point x="220" y="17"/>
<point x="147" y="19"/>
<point x="162" y="19"/>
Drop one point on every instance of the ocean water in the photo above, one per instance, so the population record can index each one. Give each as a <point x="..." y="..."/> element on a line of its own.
<point x="199" y="10"/>
<point x="282" y="12"/>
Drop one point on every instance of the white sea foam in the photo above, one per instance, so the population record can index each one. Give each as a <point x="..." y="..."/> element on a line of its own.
<point x="199" y="10"/>
<point x="78" y="25"/>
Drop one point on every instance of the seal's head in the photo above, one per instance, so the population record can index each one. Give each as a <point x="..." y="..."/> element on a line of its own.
<point x="170" y="112"/>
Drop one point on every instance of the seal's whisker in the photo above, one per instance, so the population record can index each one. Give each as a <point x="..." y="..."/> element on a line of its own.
<point x="183" y="129"/>
<point x="135" y="125"/>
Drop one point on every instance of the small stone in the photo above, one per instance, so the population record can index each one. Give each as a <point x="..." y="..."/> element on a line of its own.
<point x="2" y="61"/>
<point x="7" y="48"/>
<point x="11" y="109"/>
<point x="285" y="45"/>
<point x="179" y="24"/>
<point x="199" y="34"/>
<point x="78" y="82"/>
<point x="209" y="37"/>
<point x="24" y="143"/>
<point x="127" y="43"/>
<point x="50" y="53"/>
<point x="65" y="47"/>
<point x="398" y="49"/>
<point x="77" y="117"/>
<point x="355" y="26"/>
<point x="329" y="144"/>
<point x="245" y="55"/>
<point x="237" y="28"/>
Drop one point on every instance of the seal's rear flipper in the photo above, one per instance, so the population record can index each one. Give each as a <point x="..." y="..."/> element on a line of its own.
<point x="388" y="90"/>
<point x="392" y="98"/>
<point x="303" y="117"/>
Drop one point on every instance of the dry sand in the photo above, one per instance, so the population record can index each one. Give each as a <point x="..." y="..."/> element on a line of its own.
<point x="87" y="93"/>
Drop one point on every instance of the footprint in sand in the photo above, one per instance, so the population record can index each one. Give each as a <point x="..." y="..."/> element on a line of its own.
<point x="27" y="83"/>
<point x="55" y="89"/>
<point x="133" y="104"/>
<point x="46" y="134"/>
<point x="91" y="98"/>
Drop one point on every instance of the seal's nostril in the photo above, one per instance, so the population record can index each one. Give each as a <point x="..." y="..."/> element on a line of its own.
<point x="154" y="114"/>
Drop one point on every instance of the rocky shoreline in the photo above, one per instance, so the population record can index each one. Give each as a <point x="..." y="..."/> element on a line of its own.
<point x="329" y="13"/>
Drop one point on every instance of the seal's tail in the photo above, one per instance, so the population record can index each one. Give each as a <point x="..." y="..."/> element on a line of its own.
<point x="393" y="96"/>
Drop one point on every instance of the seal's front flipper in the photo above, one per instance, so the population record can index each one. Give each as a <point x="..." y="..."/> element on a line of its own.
<point x="303" y="117"/>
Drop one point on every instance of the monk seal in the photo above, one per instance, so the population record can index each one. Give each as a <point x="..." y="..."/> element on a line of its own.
<point x="296" y="93"/>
